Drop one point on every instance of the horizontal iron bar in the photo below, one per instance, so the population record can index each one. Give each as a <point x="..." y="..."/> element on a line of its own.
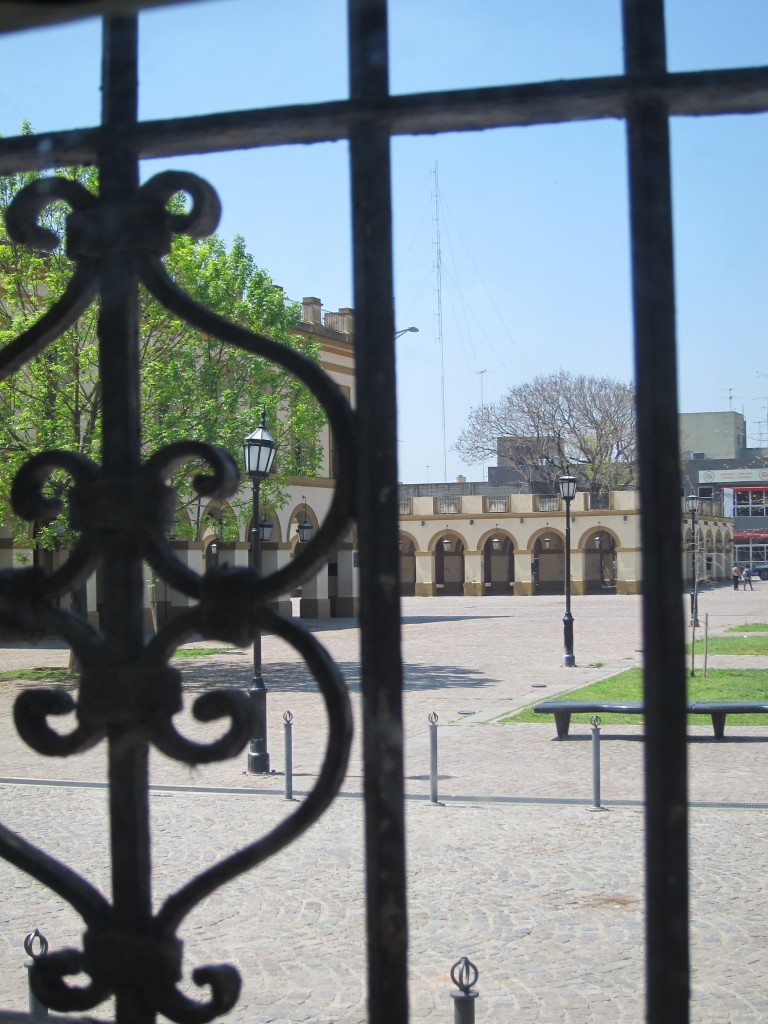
<point x="695" y="93"/>
<point x="21" y="14"/>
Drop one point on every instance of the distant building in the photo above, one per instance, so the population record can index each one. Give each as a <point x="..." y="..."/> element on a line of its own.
<point x="718" y="465"/>
<point x="714" y="435"/>
<point x="507" y="536"/>
<point x="515" y="466"/>
<point x="476" y="539"/>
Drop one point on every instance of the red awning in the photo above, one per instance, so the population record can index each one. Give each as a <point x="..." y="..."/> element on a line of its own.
<point x="745" y="487"/>
<point x="751" y="535"/>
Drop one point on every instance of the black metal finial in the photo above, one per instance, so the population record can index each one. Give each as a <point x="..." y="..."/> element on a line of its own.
<point x="29" y="944"/>
<point x="464" y="974"/>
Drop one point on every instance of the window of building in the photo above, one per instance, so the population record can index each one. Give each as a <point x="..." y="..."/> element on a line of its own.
<point x="750" y="502"/>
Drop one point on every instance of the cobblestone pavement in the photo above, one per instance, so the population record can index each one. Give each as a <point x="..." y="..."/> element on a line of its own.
<point x="512" y="869"/>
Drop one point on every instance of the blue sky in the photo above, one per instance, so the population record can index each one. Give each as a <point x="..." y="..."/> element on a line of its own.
<point x="533" y="222"/>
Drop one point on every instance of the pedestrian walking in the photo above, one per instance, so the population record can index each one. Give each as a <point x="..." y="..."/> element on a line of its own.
<point x="735" y="575"/>
<point x="746" y="577"/>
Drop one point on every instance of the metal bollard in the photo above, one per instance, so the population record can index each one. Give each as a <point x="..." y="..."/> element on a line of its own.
<point x="432" y="719"/>
<point x="464" y="974"/>
<point x="596" y="764"/>
<point x="288" y="730"/>
<point x="36" y="1008"/>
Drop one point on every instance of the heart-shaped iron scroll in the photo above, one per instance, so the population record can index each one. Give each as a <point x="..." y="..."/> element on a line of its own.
<point x="155" y="957"/>
<point x="134" y="700"/>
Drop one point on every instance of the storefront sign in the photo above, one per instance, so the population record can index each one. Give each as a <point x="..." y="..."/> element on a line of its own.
<point x="733" y="476"/>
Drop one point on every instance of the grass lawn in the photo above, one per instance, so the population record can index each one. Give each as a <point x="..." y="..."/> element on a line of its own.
<point x="62" y="675"/>
<point x="41" y="675"/>
<point x="718" y="684"/>
<point x="204" y="652"/>
<point x="744" y="644"/>
<point x="749" y="627"/>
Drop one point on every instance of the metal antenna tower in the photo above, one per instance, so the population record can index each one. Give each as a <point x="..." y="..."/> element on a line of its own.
<point x="481" y="374"/>
<point x="764" y="424"/>
<point x="439" y="318"/>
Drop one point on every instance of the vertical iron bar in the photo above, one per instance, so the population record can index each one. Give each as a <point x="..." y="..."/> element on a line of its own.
<point x="258" y="756"/>
<point x="35" y="945"/>
<point x="288" y="734"/>
<point x="37" y="1010"/>
<point x="121" y="452"/>
<point x="667" y="958"/>
<point x="463" y="1007"/>
<point x="433" y="758"/>
<point x="596" y="762"/>
<point x="377" y="505"/>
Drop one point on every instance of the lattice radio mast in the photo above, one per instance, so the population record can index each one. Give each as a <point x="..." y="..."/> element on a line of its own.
<point x="439" y="318"/>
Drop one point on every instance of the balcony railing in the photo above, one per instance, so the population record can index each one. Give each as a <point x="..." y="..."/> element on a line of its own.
<point x="598" y="500"/>
<point x="547" y="503"/>
<point x="448" y="505"/>
<point x="499" y="503"/>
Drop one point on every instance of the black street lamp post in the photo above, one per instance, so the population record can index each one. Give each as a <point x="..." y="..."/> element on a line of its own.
<point x="692" y="501"/>
<point x="567" y="486"/>
<point x="258" y="454"/>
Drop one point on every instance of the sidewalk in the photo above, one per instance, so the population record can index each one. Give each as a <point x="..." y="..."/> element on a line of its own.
<point x="513" y="870"/>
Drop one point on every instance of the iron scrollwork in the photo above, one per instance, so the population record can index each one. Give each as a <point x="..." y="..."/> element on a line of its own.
<point x="132" y="700"/>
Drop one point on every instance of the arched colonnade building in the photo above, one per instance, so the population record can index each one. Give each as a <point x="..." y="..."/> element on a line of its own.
<point x="457" y="538"/>
<point x="471" y="545"/>
<point x="482" y="544"/>
<point x="332" y="593"/>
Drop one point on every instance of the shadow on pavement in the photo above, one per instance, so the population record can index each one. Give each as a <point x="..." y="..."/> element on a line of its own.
<point x="295" y="677"/>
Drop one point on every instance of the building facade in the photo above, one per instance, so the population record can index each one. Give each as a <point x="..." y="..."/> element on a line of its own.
<point x="720" y="466"/>
<point x="478" y="540"/>
<point x="333" y="592"/>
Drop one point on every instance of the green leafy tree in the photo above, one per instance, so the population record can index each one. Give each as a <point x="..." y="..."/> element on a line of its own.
<point x="192" y="386"/>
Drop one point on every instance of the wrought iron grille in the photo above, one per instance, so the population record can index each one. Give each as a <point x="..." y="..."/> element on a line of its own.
<point x="127" y="693"/>
<point x="599" y="500"/>
<point x="547" y="503"/>
<point x="497" y="504"/>
<point x="447" y="505"/>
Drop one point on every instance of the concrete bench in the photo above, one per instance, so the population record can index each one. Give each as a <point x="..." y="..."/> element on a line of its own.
<point x="717" y="710"/>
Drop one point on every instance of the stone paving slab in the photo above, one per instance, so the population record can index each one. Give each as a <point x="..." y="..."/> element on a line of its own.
<point x="513" y="869"/>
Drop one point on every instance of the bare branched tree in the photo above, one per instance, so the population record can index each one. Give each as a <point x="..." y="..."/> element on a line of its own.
<point x="560" y="422"/>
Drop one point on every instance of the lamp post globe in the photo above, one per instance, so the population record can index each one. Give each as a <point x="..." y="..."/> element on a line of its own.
<point x="304" y="529"/>
<point x="567" y="486"/>
<point x="258" y="456"/>
<point x="259" y="451"/>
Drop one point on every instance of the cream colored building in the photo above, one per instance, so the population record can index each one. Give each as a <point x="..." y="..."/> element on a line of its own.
<point x="334" y="591"/>
<point x="461" y="538"/>
<point x="476" y="544"/>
